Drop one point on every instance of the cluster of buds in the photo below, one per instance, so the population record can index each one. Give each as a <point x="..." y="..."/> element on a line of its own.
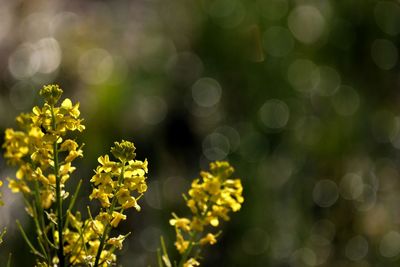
<point x="211" y="198"/>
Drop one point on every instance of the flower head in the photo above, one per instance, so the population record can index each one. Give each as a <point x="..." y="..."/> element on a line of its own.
<point x="51" y="93"/>
<point x="211" y="198"/>
<point x="124" y="151"/>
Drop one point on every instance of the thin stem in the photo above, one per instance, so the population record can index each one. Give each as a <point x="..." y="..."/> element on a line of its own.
<point x="72" y="203"/>
<point x="59" y="205"/>
<point x="188" y="250"/>
<point x="159" y="261"/>
<point x="165" y="256"/>
<point x="34" y="250"/>
<point x="39" y="233"/>
<point x="9" y="260"/>
<point x="39" y="220"/>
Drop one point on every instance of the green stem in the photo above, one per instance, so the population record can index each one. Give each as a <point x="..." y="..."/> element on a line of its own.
<point x="188" y="250"/>
<point x="40" y="225"/>
<point x="59" y="205"/>
<point x="110" y="211"/>
<point x="34" y="250"/>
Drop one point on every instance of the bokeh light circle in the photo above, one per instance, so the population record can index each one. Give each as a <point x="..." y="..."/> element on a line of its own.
<point x="387" y="16"/>
<point x="346" y="101"/>
<point x="273" y="9"/>
<point x="384" y="53"/>
<point x="306" y="23"/>
<point x="356" y="248"/>
<point x="329" y="81"/>
<point x="303" y="75"/>
<point x="390" y="244"/>
<point x="206" y="92"/>
<point x="274" y="114"/>
<point x="325" y="193"/>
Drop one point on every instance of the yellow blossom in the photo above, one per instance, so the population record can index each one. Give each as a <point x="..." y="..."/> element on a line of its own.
<point x="18" y="186"/>
<point x="116" y="241"/>
<point x="47" y="198"/>
<point x="181" y="244"/>
<point x="191" y="263"/>
<point x="100" y="195"/>
<point x="126" y="200"/>
<point x="208" y="239"/>
<point x="181" y="223"/>
<point x="211" y="198"/>
<point x="117" y="217"/>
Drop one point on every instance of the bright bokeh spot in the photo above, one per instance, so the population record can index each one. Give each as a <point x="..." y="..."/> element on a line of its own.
<point x="206" y="92"/>
<point x="306" y="23"/>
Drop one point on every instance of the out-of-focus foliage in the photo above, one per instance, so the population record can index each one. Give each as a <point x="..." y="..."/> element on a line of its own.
<point x="301" y="96"/>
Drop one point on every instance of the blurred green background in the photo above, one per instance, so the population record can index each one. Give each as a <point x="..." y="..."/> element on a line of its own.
<point x="302" y="97"/>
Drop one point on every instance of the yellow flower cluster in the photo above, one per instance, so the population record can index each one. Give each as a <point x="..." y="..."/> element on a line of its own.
<point x="211" y="198"/>
<point x="36" y="145"/>
<point x="83" y="241"/>
<point x="114" y="184"/>
<point x="43" y="153"/>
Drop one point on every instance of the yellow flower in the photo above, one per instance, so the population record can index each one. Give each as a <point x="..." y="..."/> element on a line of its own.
<point x="107" y="165"/>
<point x="18" y="186"/>
<point x="208" y="239"/>
<point x="211" y="198"/>
<point x="117" y="217"/>
<point x="101" y="178"/>
<point x="100" y="195"/>
<point x="74" y="220"/>
<point x="38" y="175"/>
<point x="47" y="198"/>
<point x="72" y="110"/>
<point x="116" y="241"/>
<point x="191" y="263"/>
<point x="126" y="200"/>
<point x="181" y="244"/>
<point x="104" y="217"/>
<point x="16" y="145"/>
<point x="181" y="223"/>
<point x="96" y="226"/>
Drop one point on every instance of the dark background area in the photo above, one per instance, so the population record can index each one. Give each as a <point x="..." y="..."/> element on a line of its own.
<point x="302" y="97"/>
